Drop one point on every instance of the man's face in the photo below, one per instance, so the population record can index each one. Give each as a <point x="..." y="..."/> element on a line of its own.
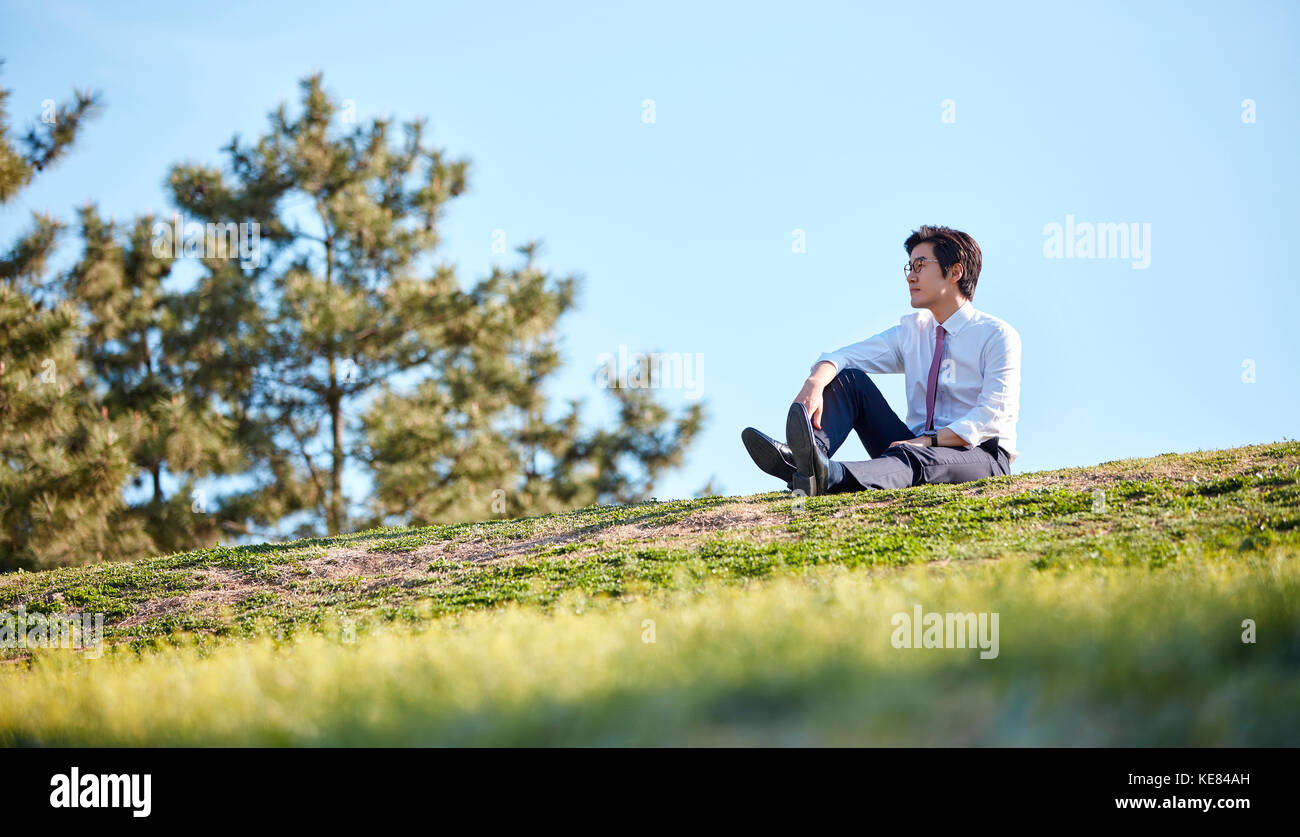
<point x="927" y="285"/>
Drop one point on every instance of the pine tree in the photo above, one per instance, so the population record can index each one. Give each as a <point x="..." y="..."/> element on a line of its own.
<point x="473" y="441"/>
<point x="131" y="345"/>
<point x="63" y="462"/>
<point x="347" y="303"/>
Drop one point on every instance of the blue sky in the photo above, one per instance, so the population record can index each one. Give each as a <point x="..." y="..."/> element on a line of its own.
<point x="771" y="118"/>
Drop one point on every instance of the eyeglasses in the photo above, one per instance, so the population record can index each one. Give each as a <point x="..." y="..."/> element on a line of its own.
<point x="915" y="265"/>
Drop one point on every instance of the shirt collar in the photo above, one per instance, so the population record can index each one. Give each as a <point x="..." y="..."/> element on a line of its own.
<point x="957" y="319"/>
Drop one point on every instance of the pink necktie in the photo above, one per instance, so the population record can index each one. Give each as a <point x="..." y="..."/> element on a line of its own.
<point x="931" y="385"/>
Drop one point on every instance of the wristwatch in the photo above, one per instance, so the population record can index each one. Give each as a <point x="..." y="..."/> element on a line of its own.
<point x="934" y="436"/>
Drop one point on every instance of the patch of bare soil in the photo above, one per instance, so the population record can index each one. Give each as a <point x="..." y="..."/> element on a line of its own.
<point x="647" y="534"/>
<point x="222" y="588"/>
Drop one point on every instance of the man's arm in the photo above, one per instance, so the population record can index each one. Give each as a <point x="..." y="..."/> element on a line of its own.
<point x="811" y="394"/>
<point x="945" y="439"/>
<point x="948" y="439"/>
<point x="878" y="353"/>
<point x="999" y="394"/>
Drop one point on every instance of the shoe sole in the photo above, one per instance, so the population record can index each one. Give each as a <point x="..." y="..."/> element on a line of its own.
<point x="766" y="457"/>
<point x="798" y="435"/>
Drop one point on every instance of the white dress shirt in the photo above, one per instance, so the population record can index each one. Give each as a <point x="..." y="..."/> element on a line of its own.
<point x="978" y="392"/>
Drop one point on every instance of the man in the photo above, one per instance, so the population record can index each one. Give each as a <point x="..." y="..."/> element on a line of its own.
<point x="962" y="373"/>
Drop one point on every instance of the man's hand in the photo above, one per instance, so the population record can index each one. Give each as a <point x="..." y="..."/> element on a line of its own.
<point x="945" y="439"/>
<point x="811" y="394"/>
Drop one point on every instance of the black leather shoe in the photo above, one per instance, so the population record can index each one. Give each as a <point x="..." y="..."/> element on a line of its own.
<point x="812" y="465"/>
<point x="771" y="456"/>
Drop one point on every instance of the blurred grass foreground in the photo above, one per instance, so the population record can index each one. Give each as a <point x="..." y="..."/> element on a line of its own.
<point x="1141" y="602"/>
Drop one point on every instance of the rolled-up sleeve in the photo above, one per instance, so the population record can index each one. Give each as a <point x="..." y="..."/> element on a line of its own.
<point x="878" y="353"/>
<point x="999" y="399"/>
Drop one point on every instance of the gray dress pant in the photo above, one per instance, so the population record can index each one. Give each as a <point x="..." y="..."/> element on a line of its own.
<point x="851" y="401"/>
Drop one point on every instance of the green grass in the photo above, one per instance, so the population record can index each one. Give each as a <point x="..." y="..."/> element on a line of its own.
<point x="1120" y="623"/>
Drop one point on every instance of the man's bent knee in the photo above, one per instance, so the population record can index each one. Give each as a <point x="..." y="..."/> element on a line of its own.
<point x="854" y="378"/>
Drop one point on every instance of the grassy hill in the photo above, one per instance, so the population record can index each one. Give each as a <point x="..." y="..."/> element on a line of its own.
<point x="1121" y="593"/>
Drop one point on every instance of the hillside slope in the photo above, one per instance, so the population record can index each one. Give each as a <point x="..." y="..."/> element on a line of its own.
<point x="1122" y="588"/>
